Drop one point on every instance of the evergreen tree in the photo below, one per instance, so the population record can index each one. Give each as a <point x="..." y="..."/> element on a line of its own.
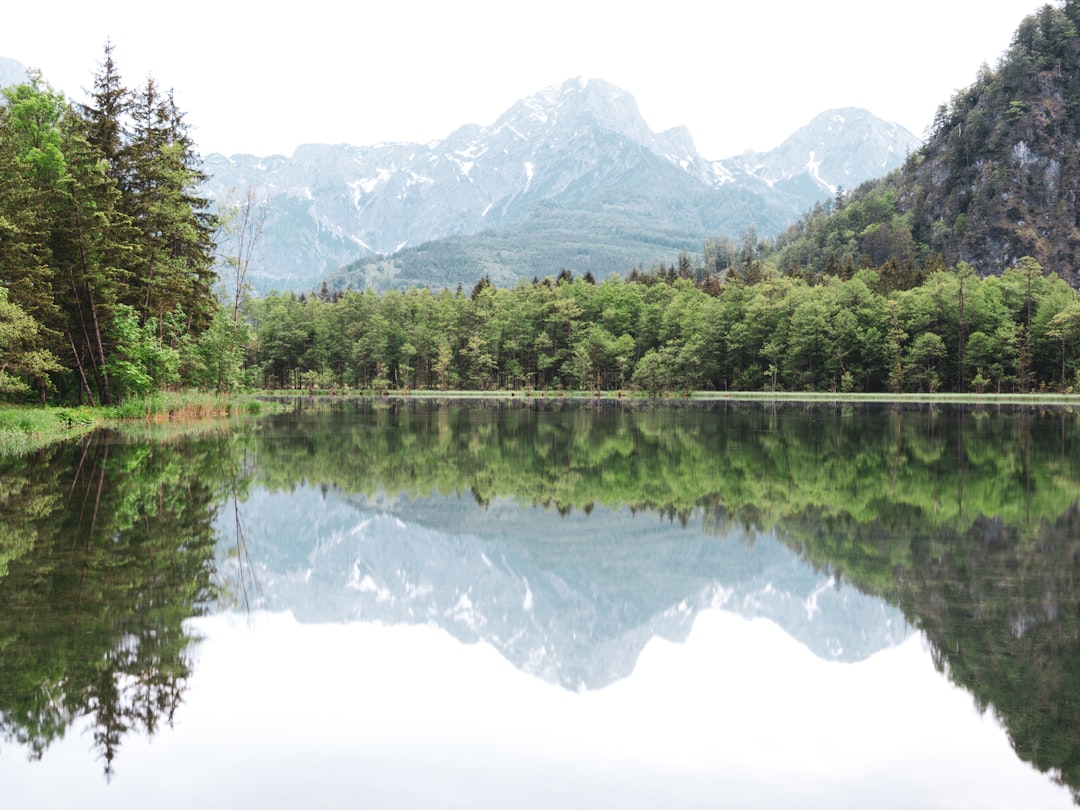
<point x="173" y="264"/>
<point x="106" y="111"/>
<point x="101" y="222"/>
<point x="25" y="272"/>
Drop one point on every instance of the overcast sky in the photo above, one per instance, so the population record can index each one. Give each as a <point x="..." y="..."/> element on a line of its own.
<point x="264" y="78"/>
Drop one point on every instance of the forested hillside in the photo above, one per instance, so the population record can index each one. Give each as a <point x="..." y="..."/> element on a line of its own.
<point x="995" y="182"/>
<point x="106" y="250"/>
<point x="948" y="275"/>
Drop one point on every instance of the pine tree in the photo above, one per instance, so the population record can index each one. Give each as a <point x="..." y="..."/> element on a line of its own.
<point x="173" y="262"/>
<point x="58" y="175"/>
<point x="101" y="223"/>
<point x="106" y="111"/>
<point x="91" y="252"/>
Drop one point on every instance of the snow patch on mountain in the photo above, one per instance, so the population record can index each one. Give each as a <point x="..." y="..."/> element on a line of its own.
<point x="813" y="168"/>
<point x="576" y="140"/>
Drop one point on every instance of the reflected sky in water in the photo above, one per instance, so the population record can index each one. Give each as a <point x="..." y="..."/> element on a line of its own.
<point x="418" y="649"/>
<point x="283" y="714"/>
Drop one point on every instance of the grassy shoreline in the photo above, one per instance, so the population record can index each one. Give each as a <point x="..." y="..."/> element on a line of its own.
<point x="25" y="428"/>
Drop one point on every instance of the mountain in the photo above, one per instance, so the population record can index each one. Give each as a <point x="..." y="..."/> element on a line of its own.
<point x="995" y="182"/>
<point x="11" y="72"/>
<point x="571" y="599"/>
<point x="568" y="177"/>
<point x="839" y="149"/>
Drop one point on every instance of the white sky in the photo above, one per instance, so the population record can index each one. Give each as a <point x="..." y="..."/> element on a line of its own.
<point x="264" y="78"/>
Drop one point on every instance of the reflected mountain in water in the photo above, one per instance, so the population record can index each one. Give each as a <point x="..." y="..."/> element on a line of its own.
<point x="572" y="599"/>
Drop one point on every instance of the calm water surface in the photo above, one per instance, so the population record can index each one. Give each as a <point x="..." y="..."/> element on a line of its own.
<point x="468" y="606"/>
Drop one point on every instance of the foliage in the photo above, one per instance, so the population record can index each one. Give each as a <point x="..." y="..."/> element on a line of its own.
<point x="103" y="238"/>
<point x="994" y="182"/>
<point x="675" y="330"/>
<point x="21" y="353"/>
<point x="140" y="362"/>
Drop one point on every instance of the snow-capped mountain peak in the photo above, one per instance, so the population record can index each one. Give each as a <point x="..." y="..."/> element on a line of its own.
<point x="581" y="144"/>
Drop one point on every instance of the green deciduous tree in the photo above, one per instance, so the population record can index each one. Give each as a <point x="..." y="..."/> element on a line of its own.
<point x="140" y="361"/>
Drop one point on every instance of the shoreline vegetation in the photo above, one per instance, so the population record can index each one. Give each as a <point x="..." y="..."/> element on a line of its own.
<point x="25" y="428"/>
<point x="108" y="316"/>
<point x="666" y="399"/>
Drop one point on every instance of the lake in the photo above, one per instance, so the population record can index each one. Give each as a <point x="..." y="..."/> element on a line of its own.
<point x="525" y="604"/>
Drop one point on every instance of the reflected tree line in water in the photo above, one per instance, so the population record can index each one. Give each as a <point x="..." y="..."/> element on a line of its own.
<point x="105" y="549"/>
<point x="968" y="520"/>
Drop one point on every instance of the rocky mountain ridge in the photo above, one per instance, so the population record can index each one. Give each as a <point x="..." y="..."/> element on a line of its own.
<point x="994" y="184"/>
<point x="581" y="146"/>
<point x="838" y="149"/>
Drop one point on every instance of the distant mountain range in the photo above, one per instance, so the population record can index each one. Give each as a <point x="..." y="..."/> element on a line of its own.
<point x="570" y="599"/>
<point x="569" y="177"/>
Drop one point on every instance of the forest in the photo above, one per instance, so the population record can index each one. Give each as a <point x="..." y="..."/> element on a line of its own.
<point x="106" y="249"/>
<point x="112" y="287"/>
<point x="673" y="330"/>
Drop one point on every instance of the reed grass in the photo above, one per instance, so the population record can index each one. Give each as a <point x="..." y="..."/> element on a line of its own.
<point x="165" y="406"/>
<point x="25" y="428"/>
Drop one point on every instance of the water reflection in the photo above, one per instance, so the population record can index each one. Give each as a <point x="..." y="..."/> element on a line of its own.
<point x="783" y="547"/>
<point x="107" y="549"/>
<point x="577" y="615"/>
<point x="404" y="716"/>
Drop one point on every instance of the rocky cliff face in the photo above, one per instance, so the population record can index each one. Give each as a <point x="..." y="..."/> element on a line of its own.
<point x="997" y="180"/>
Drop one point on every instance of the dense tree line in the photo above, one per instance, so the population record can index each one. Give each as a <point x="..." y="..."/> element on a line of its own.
<point x="685" y="328"/>
<point x="106" y="247"/>
<point x="928" y="280"/>
<point x="107" y="268"/>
